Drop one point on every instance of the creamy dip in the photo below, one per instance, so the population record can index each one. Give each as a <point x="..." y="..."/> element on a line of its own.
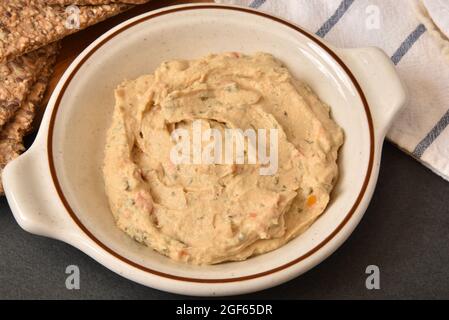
<point x="211" y="213"/>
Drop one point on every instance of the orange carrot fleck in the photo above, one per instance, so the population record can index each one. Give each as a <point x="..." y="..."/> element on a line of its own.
<point x="311" y="200"/>
<point x="253" y="214"/>
<point x="183" y="253"/>
<point x="144" y="201"/>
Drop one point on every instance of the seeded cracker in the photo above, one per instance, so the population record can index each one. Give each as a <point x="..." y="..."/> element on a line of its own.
<point x="91" y="2"/>
<point x="18" y="76"/>
<point x="12" y="133"/>
<point x="26" y="25"/>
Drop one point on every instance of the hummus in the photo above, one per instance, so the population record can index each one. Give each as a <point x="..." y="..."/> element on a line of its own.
<point x="211" y="213"/>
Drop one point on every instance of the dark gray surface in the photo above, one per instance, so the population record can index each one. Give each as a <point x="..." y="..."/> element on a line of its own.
<point x="405" y="232"/>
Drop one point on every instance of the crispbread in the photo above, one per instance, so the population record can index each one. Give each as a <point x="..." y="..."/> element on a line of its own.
<point x="18" y="76"/>
<point x="26" y="25"/>
<point x="91" y="2"/>
<point x="12" y="133"/>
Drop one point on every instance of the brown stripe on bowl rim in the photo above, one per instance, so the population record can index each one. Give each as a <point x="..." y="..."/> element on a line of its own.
<point x="206" y="280"/>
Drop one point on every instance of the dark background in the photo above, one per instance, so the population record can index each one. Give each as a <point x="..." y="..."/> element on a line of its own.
<point x="405" y="232"/>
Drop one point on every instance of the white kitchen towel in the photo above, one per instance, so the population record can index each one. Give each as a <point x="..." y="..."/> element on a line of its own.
<point x="435" y="16"/>
<point x="422" y="128"/>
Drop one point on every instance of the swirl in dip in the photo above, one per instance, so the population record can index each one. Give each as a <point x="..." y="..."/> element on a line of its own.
<point x="211" y="213"/>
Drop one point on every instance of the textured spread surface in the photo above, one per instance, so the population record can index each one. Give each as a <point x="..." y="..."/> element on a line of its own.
<point x="251" y="210"/>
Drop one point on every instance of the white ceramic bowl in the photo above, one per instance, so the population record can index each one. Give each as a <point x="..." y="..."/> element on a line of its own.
<point x="55" y="189"/>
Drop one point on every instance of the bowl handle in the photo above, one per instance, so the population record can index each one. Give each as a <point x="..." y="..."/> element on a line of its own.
<point x="380" y="82"/>
<point x="31" y="196"/>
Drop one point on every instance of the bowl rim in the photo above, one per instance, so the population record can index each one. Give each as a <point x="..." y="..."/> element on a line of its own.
<point x="147" y="16"/>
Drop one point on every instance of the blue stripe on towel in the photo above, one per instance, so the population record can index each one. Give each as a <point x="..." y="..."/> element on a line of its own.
<point x="396" y="58"/>
<point x="332" y="21"/>
<point x="408" y="43"/>
<point x="432" y="135"/>
<point x="256" y="4"/>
